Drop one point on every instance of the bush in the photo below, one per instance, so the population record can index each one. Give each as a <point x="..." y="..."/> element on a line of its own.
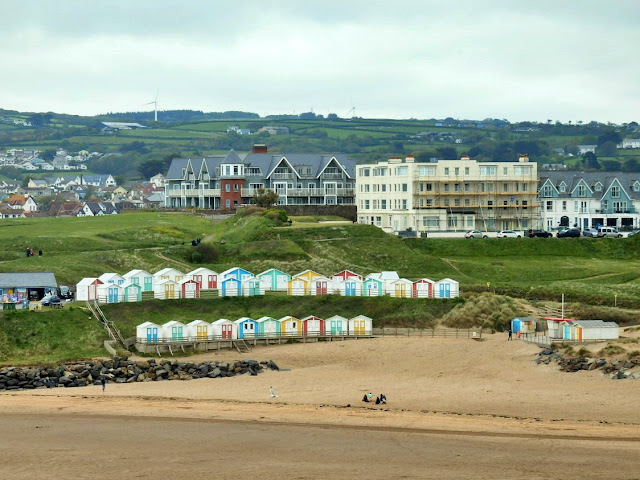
<point x="633" y="354"/>
<point x="202" y="254"/>
<point x="486" y="310"/>
<point x="611" y="350"/>
<point x="583" y="352"/>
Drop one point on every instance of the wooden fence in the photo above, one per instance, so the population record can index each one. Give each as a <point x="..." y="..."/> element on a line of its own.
<point x="474" y="333"/>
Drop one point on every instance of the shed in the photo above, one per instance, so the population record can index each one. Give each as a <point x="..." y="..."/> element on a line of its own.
<point x="298" y="286"/>
<point x="447" y="288"/>
<point x="230" y="287"/>
<point x="165" y="289"/>
<point x="346" y="275"/>
<point x="336" y="325"/>
<point x="312" y="325"/>
<point x="189" y="288"/>
<point x="423" y="288"/>
<point x="174" y="331"/>
<point x="321" y="286"/>
<point x="168" y="274"/>
<point x="360" y="325"/>
<point x="147" y="332"/>
<point x="290" y="327"/>
<point x="207" y="279"/>
<point x="86" y="289"/>
<point x="274" y="280"/>
<point x="224" y="329"/>
<point x="523" y="324"/>
<point x="110" y="293"/>
<point x="372" y="287"/>
<point x="131" y="292"/>
<point x="142" y="278"/>
<point x="401" y="288"/>
<point x="17" y="287"/>
<point x="246" y="327"/>
<point x="111" y="278"/>
<point x="554" y="326"/>
<point x="595" y="330"/>
<point x="351" y="287"/>
<point x="251" y="287"/>
<point x="268" y="327"/>
<point x="198" y="330"/>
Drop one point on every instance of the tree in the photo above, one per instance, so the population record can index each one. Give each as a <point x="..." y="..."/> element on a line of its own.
<point x="591" y="161"/>
<point x="151" y="167"/>
<point x="265" y="198"/>
<point x="631" y="165"/>
<point x="48" y="154"/>
<point x="610" y="165"/>
<point x="607" y="149"/>
<point x="610" y="136"/>
<point x="448" y="153"/>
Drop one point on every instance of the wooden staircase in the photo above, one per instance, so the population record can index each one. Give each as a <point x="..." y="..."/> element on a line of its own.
<point x="241" y="346"/>
<point x="109" y="326"/>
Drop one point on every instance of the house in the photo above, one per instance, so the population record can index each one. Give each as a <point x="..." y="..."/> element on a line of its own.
<point x="372" y="287"/>
<point x="147" y="332"/>
<point x="290" y="327"/>
<point x="207" y="279"/>
<point x="274" y="130"/>
<point x="6" y="212"/>
<point x="274" y="280"/>
<point x="168" y="274"/>
<point x="582" y="330"/>
<point x="268" y="327"/>
<point x="351" y="287"/>
<point x="401" y="288"/>
<point x="189" y="288"/>
<point x="630" y="143"/>
<point x="312" y="325"/>
<point x="22" y="202"/>
<point x="224" y="329"/>
<point x="554" y="326"/>
<point x="131" y="292"/>
<point x="523" y="325"/>
<point x="336" y="325"/>
<point x="233" y="281"/>
<point x="86" y="289"/>
<point x="447" y="288"/>
<point x="174" y="331"/>
<point x="238" y="273"/>
<point x="246" y="327"/>
<point x="69" y="209"/>
<point x="198" y="330"/>
<point x="105" y="180"/>
<point x="165" y="289"/>
<point x="109" y="292"/>
<point x="113" y="126"/>
<point x="17" y="287"/>
<point x="111" y="278"/>
<point x="96" y="209"/>
<point x="140" y="277"/>
<point x="582" y="149"/>
<point x="423" y="288"/>
<point x="360" y="325"/>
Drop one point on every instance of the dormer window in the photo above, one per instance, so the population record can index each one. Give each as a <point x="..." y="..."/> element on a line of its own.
<point x="636" y="187"/>
<point x="597" y="187"/>
<point x="563" y="188"/>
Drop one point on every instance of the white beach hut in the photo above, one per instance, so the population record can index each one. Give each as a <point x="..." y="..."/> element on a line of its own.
<point x="174" y="331"/>
<point x="148" y="332"/>
<point x="447" y="288"/>
<point x="224" y="329"/>
<point x="111" y="278"/>
<point x="168" y="274"/>
<point x="198" y="330"/>
<point x="360" y="325"/>
<point x="206" y="278"/>
<point x="336" y="325"/>
<point x="110" y="293"/>
<point x="86" y="289"/>
<point x="165" y="289"/>
<point x="140" y="277"/>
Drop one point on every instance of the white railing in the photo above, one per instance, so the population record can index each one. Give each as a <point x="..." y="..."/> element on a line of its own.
<point x="195" y="192"/>
<point x="281" y="176"/>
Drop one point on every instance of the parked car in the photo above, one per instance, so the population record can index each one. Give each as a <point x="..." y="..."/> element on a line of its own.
<point x="568" y="233"/>
<point x="590" y="232"/>
<point x="539" y="233"/>
<point x="634" y="233"/>
<point x="508" y="234"/>
<point x="475" y="234"/>
<point x="609" y="232"/>
<point x="51" y="301"/>
<point x="65" y="292"/>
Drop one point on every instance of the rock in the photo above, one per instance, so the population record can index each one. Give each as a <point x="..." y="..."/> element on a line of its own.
<point x="273" y="365"/>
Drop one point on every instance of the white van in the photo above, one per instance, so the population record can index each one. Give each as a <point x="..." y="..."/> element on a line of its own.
<point x="609" y="232"/>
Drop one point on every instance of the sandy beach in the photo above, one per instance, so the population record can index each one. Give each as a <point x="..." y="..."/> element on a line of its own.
<point x="457" y="409"/>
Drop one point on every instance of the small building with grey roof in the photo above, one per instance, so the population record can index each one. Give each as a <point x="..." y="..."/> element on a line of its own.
<point x="15" y="287"/>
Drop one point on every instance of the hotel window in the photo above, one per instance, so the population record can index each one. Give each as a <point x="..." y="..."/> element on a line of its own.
<point x="429" y="187"/>
<point x="505" y="187"/>
<point x="446" y="202"/>
<point x="429" y="202"/>
<point x="383" y="187"/>
<point x="227" y="187"/>
<point x="402" y="171"/>
<point x="446" y="187"/>
<point x="505" y="170"/>
<point x="457" y="171"/>
<point x="466" y="170"/>
<point x="520" y="170"/>
<point x="467" y="187"/>
<point x="404" y="187"/>
<point x="446" y="170"/>
<point x="365" y="172"/>
<point x="426" y="171"/>
<point x="383" y="204"/>
<point x="456" y="187"/>
<point x="490" y="204"/>
<point x="486" y="171"/>
<point x="366" y="204"/>
<point x="564" y="205"/>
<point x="456" y="202"/>
<point x="404" y="204"/>
<point x="467" y="202"/>
<point x="549" y="206"/>
<point x="582" y="190"/>
<point x="615" y="192"/>
<point x="524" y="204"/>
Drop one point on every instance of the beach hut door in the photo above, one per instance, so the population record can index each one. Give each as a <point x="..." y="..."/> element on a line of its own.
<point x="445" y="290"/>
<point x="350" y="289"/>
<point x="359" y="327"/>
<point x="254" y="288"/>
<point x="198" y="279"/>
<point x="401" y="290"/>
<point x="169" y="290"/>
<point x="152" y="334"/>
<point x="201" y="331"/>
<point x="321" y="288"/>
<point x="176" y="333"/>
<point x="567" y="336"/>
<point x="226" y="330"/>
<point x="113" y="295"/>
<point x="148" y="284"/>
<point x="212" y="281"/>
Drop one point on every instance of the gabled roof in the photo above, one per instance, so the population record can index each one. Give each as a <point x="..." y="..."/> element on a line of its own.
<point x="167" y="271"/>
<point x="34" y="280"/>
<point x="572" y="179"/>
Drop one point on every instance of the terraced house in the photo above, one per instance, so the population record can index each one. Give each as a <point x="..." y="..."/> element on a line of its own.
<point x="402" y="196"/>
<point x="590" y="199"/>
<point x="228" y="181"/>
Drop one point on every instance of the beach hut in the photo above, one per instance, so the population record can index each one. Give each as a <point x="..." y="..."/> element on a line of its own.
<point x="360" y="325"/>
<point x="168" y="274"/>
<point x="447" y="288"/>
<point x="246" y="327"/>
<point x="224" y="329"/>
<point x="554" y="326"/>
<point x="372" y="287"/>
<point x="268" y="327"/>
<point x="230" y="287"/>
<point x="165" y="289"/>
<point x="423" y="288"/>
<point x="251" y="287"/>
<point x="345" y="275"/>
<point x="290" y="327"/>
<point x="351" y="287"/>
<point x="594" y="330"/>
<point x="174" y="331"/>
<point x="111" y="278"/>
<point x="387" y="277"/>
<point x="568" y="333"/>
<point x="274" y="280"/>
<point x="189" y="288"/>
<point x="312" y="325"/>
<point x="238" y="273"/>
<point x="308" y="275"/>
<point x="110" y="293"/>
<point x="131" y="292"/>
<point x="142" y="278"/>
<point x="147" y="332"/>
<point x="523" y="325"/>
<point x="298" y="286"/>
<point x="401" y="288"/>
<point x="321" y="286"/>
<point x="198" y="330"/>
<point x="86" y="289"/>
<point x="205" y="278"/>
<point x="336" y="325"/>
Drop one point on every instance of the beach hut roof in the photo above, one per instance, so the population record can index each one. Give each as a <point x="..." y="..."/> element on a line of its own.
<point x="171" y="323"/>
<point x="197" y="322"/>
<point x="129" y="284"/>
<point x="266" y="319"/>
<point x="233" y="269"/>
<point x="386" y="275"/>
<point x="308" y="271"/>
<point x="220" y="321"/>
<point x="135" y="273"/>
<point x="596" y="323"/>
<point x="201" y="270"/>
<point x="362" y="317"/>
<point x="310" y="317"/>
<point x="266" y="272"/>
<point x="244" y="319"/>
<point x="186" y="280"/>
<point x="168" y="270"/>
<point x="87" y="281"/>
<point x="336" y="317"/>
<point x="105" y="277"/>
<point x="166" y="280"/>
<point x="286" y="318"/>
<point x="147" y="324"/>
<point x="425" y="280"/>
<point x="449" y="280"/>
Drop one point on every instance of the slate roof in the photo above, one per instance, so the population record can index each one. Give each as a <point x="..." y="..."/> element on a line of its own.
<point x="571" y="179"/>
<point x="595" y="323"/>
<point x="31" y="280"/>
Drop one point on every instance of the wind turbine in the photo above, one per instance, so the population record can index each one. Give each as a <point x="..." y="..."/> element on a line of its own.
<point x="353" y="111"/>
<point x="155" y="106"/>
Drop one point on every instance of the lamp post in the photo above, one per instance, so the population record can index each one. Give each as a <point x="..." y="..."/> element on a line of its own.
<point x="615" y="299"/>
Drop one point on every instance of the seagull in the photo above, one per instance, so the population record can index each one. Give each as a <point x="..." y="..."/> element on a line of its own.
<point x="273" y="394"/>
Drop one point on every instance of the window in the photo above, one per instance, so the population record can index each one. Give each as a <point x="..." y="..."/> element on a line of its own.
<point x="383" y="204"/>
<point x="446" y="170"/>
<point x="404" y="187"/>
<point x="582" y="190"/>
<point x="453" y="222"/>
<point x="467" y="187"/>
<point x="446" y="202"/>
<point x="426" y="170"/>
<point x="384" y="187"/>
<point x="605" y="204"/>
<point x="524" y="204"/>
<point x="467" y="202"/>
<point x="228" y="203"/>
<point x="235" y="203"/>
<point x="524" y="187"/>
<point x="235" y="187"/>
<point x="505" y="203"/>
<point x="227" y="187"/>
<point x="615" y="192"/>
<point x="446" y="187"/>
<point x="456" y="187"/>
<point x="366" y="204"/>
<point x="619" y="207"/>
<point x="466" y="170"/>
<point x="598" y="187"/>
<point x="365" y="172"/>
<point x="505" y="170"/>
<point x="523" y="170"/>
<point x="575" y="206"/>
<point x="549" y="206"/>
<point x="429" y="202"/>
<point x="457" y="170"/>
<point x="378" y="221"/>
<point x="469" y="222"/>
<point x="456" y="202"/>
<point x="429" y="187"/>
<point x="564" y="205"/>
<point x="546" y="191"/>
<point x="505" y="187"/>
<point x="402" y="171"/>
<point x="404" y="204"/>
<point x="636" y="187"/>
<point x="563" y="188"/>
<point x="486" y="171"/>
<point x="375" y="204"/>
<point x="366" y="188"/>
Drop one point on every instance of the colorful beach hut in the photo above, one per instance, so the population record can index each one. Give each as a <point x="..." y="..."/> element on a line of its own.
<point x="268" y="327"/>
<point x="321" y="286"/>
<point x="360" y="325"/>
<point x="554" y="326"/>
<point x="110" y="293"/>
<point x="230" y="287"/>
<point x="206" y="279"/>
<point x="290" y="327"/>
<point x="372" y="287"/>
<point x="336" y="325"/>
<point x="246" y="327"/>
<point x="298" y="286"/>
<point x="351" y="287"/>
<point x="251" y="287"/>
<point x="165" y="289"/>
<point x="224" y="329"/>
<point x="447" y="288"/>
<point x="238" y="273"/>
<point x="308" y="275"/>
<point x="174" y="331"/>
<point x="401" y="288"/>
<point x="523" y="325"/>
<point x="274" y="280"/>
<point x="168" y="274"/>
<point x="198" y="330"/>
<point x="111" y="278"/>
<point x="387" y="277"/>
<point x="189" y="288"/>
<point x="147" y="332"/>
<point x="131" y="292"/>
<point x="346" y="275"/>
<point x="422" y="288"/>
<point x="86" y="289"/>
<point x="312" y="325"/>
<point x="142" y="278"/>
<point x="581" y="330"/>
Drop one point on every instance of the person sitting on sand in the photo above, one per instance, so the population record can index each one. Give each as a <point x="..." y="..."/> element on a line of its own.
<point x="377" y="400"/>
<point x="383" y="399"/>
<point x="370" y="396"/>
<point x="365" y="398"/>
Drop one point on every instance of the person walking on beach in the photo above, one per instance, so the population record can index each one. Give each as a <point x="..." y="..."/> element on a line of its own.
<point x="273" y="394"/>
<point x="103" y="381"/>
<point x="510" y="334"/>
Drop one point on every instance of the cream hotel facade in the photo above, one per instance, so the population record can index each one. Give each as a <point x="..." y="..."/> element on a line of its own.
<point x="400" y="195"/>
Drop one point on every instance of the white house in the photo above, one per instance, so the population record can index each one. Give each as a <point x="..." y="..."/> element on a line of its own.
<point x="206" y="278"/>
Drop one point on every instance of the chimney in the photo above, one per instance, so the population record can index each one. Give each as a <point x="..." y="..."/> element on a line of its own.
<point x="259" y="148"/>
<point x="395" y="160"/>
<point x="409" y="159"/>
<point x="524" y="158"/>
<point x="464" y="157"/>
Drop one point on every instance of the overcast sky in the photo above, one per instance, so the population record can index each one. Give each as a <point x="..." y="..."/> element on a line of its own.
<point x="519" y="60"/>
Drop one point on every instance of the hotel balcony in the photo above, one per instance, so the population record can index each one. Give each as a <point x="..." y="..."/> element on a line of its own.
<point x="195" y="192"/>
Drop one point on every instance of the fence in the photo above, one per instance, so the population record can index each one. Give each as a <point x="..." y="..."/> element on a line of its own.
<point x="475" y="333"/>
<point x="250" y="336"/>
